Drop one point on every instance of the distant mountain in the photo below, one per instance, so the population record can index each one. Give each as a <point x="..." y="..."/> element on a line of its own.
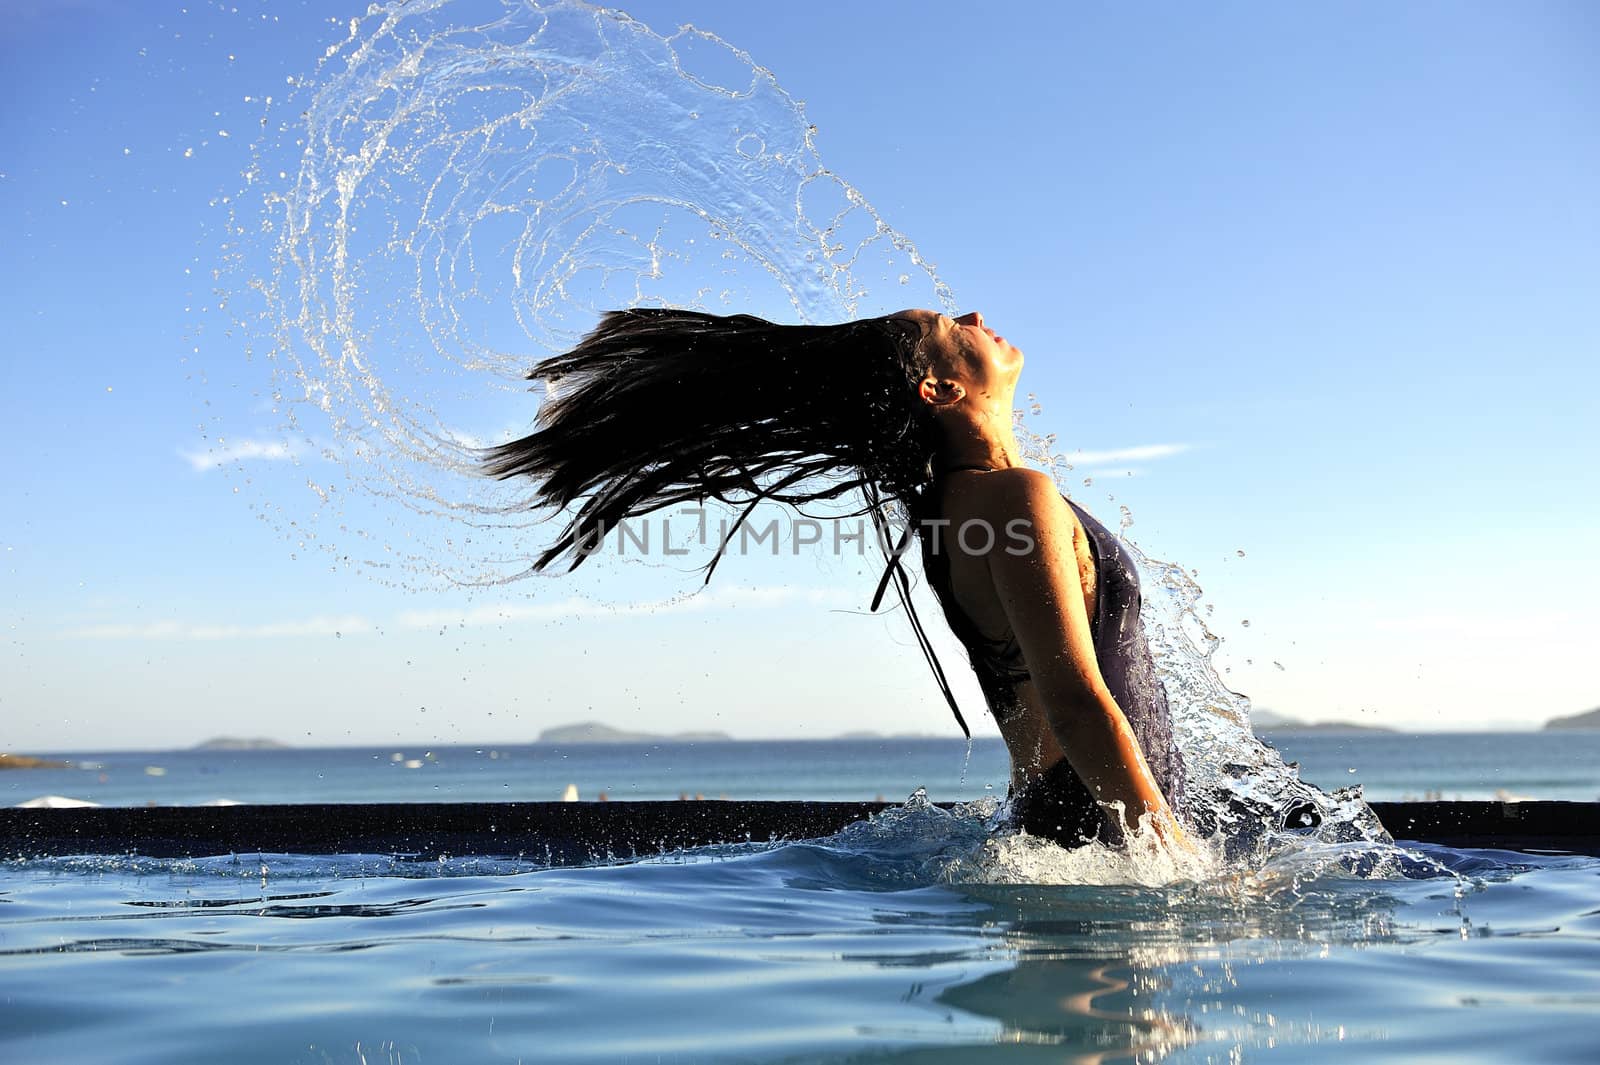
<point x="24" y="761"/>
<point x="1267" y="721"/>
<point x="594" y="732"/>
<point x="1591" y="719"/>
<point x="236" y="743"/>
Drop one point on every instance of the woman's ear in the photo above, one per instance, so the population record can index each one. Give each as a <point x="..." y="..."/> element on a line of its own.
<point x="938" y="392"/>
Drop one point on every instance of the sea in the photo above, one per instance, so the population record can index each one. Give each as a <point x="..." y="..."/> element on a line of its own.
<point x="1387" y="766"/>
<point x="925" y="935"/>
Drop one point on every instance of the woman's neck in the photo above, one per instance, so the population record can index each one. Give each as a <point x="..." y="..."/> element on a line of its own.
<point x="991" y="450"/>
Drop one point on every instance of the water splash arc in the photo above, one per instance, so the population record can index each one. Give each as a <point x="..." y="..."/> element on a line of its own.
<point x="464" y="190"/>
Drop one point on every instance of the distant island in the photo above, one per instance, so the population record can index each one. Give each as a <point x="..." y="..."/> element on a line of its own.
<point x="1590" y="719"/>
<point x="23" y="761"/>
<point x="594" y="732"/>
<point x="236" y="743"/>
<point x="1267" y="721"/>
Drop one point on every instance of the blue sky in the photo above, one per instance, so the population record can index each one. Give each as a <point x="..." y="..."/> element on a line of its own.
<point x="1321" y="279"/>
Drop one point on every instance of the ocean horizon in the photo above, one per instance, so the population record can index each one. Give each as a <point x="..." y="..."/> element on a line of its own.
<point x="703" y="736"/>
<point x="1389" y="766"/>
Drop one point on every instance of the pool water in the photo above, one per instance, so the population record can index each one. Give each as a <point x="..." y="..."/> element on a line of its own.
<point x="897" y="941"/>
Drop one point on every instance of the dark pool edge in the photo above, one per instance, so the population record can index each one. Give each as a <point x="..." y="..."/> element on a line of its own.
<point x="1546" y="825"/>
<point x="560" y="833"/>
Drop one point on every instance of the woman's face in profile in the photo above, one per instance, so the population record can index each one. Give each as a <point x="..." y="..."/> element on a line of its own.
<point x="966" y="349"/>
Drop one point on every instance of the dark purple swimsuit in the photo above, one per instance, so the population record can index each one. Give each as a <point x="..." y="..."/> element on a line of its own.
<point x="1058" y="805"/>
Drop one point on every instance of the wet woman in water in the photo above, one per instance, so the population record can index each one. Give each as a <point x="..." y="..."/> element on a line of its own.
<point x="659" y="407"/>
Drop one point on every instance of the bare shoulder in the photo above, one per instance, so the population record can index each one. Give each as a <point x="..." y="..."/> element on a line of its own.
<point x="1018" y="510"/>
<point x="1023" y="492"/>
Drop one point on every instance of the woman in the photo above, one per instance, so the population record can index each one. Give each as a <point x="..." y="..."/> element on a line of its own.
<point x="658" y="407"/>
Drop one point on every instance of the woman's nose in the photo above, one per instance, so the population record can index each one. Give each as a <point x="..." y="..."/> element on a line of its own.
<point x="971" y="318"/>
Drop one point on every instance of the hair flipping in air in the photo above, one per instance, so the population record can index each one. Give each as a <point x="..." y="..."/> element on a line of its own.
<point x="658" y="407"/>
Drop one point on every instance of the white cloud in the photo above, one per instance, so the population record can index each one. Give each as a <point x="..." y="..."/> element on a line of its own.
<point x="491" y="614"/>
<point x="1475" y="624"/>
<point x="224" y="454"/>
<point x="716" y="598"/>
<point x="1145" y="452"/>
<point x="322" y="625"/>
<point x="463" y="439"/>
<point x="477" y="440"/>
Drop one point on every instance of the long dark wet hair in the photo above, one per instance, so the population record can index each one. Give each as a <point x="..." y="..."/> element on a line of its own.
<point x="658" y="406"/>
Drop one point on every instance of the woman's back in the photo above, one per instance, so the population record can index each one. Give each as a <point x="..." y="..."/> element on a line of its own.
<point x="1051" y="798"/>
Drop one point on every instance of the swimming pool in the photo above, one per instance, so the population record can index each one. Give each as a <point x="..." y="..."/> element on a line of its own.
<point x="909" y="939"/>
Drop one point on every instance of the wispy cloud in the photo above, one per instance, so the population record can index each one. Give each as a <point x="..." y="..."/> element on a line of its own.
<point x="322" y="625"/>
<point x="712" y="599"/>
<point x="1143" y="453"/>
<point x="463" y="439"/>
<point x="224" y="454"/>
<point x="478" y="441"/>
<point x="1474" y="623"/>
<point x="489" y="614"/>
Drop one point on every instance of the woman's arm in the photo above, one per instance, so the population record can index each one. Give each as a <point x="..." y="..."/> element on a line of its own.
<point x="1035" y="574"/>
